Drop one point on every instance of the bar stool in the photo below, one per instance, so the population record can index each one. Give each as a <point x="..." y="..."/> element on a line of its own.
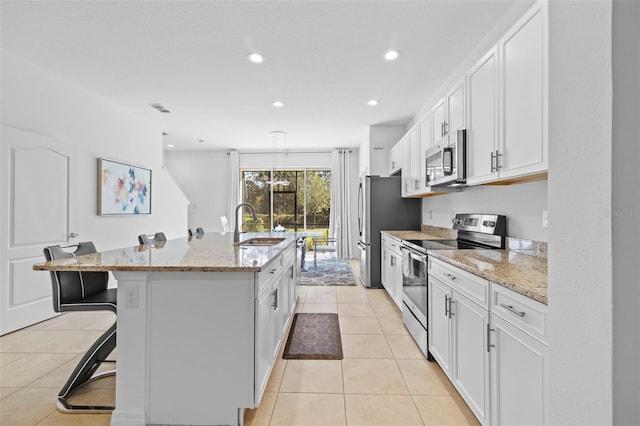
<point x="148" y="239"/>
<point x="83" y="291"/>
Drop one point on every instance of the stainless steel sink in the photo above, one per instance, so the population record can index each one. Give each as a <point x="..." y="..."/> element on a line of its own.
<point x="261" y="241"/>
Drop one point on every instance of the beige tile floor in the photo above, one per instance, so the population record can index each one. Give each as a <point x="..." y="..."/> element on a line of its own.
<point x="383" y="379"/>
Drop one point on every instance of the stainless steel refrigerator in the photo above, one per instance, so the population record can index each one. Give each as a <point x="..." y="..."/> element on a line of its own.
<point x="381" y="208"/>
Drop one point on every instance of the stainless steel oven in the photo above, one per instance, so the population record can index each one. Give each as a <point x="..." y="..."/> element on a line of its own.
<point x="414" y="294"/>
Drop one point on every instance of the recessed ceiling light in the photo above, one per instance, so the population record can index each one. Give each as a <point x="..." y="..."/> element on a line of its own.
<point x="373" y="102"/>
<point x="256" y="58"/>
<point x="391" y="55"/>
<point x="278" y="104"/>
<point x="170" y="145"/>
<point x="201" y="140"/>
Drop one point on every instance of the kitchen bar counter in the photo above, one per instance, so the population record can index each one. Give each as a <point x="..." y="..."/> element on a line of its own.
<point x="199" y="324"/>
<point x="211" y="253"/>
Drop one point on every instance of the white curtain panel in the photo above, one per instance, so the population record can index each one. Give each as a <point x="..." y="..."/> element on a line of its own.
<point x="234" y="188"/>
<point x="339" y="223"/>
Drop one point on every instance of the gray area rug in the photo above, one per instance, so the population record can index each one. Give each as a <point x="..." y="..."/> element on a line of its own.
<point x="314" y="336"/>
<point x="331" y="271"/>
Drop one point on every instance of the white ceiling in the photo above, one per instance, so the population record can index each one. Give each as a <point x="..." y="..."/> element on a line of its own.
<point x="324" y="60"/>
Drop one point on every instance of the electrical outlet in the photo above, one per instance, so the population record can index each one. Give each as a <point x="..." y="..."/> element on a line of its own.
<point x="132" y="297"/>
<point x="545" y="218"/>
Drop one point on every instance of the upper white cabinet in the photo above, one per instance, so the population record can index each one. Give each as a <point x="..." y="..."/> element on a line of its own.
<point x="482" y="117"/>
<point x="524" y="95"/>
<point x="395" y="157"/>
<point x="448" y="115"/>
<point x="507" y="104"/>
<point x="502" y="102"/>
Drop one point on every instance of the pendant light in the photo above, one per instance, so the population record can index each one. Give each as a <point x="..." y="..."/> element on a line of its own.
<point x="274" y="138"/>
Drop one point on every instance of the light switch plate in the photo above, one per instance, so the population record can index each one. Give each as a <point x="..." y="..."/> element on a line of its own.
<point x="545" y="218"/>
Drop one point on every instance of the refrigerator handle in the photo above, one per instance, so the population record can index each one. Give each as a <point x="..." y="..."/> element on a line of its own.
<point x="360" y="209"/>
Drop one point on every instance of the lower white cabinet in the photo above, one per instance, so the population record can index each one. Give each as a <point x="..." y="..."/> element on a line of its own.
<point x="457" y="339"/>
<point x="391" y="268"/>
<point x="494" y="351"/>
<point x="273" y="309"/>
<point x="518" y="376"/>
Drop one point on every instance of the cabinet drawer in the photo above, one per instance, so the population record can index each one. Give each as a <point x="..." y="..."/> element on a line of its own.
<point x="472" y="286"/>
<point x="269" y="271"/>
<point x="521" y="311"/>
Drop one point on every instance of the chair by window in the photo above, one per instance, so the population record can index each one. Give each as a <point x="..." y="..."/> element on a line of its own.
<point x="83" y="291"/>
<point x="196" y="232"/>
<point x="323" y="245"/>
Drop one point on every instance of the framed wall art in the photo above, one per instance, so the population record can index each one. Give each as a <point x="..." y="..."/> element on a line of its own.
<point x="123" y="189"/>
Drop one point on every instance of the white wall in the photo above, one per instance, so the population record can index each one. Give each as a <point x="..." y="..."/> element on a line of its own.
<point x="626" y="213"/>
<point x="580" y="246"/>
<point x="204" y="179"/>
<point x="36" y="101"/>
<point x="522" y="204"/>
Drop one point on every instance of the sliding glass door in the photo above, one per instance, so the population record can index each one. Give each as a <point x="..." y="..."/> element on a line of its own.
<point x="297" y="200"/>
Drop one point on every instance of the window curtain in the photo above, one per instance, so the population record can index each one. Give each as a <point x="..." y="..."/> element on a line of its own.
<point x="339" y="223"/>
<point x="234" y="189"/>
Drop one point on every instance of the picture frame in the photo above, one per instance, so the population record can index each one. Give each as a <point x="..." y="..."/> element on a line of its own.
<point x="123" y="189"/>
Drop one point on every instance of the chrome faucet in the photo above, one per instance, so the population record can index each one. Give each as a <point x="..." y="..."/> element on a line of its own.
<point x="236" y="231"/>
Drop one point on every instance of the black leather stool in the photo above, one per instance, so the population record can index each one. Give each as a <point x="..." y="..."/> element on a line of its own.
<point x="83" y="291"/>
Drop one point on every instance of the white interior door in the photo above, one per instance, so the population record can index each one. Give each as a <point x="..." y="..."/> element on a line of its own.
<point x="34" y="213"/>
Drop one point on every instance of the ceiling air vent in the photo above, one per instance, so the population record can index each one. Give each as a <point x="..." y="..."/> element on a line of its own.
<point x="160" y="108"/>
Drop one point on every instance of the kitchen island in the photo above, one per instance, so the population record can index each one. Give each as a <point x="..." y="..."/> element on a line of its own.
<point x="200" y="321"/>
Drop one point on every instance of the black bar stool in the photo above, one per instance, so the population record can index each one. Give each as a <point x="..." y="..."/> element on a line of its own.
<point x="148" y="239"/>
<point x="83" y="291"/>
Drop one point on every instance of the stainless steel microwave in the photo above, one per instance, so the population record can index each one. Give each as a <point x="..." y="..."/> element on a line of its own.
<point x="447" y="165"/>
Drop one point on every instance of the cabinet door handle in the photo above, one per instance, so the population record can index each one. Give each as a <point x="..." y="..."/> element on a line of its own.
<point x="498" y="166"/>
<point x="489" y="330"/>
<point x="451" y="301"/>
<point x="493" y="169"/>
<point x="275" y="299"/>
<point x="446" y="306"/>
<point x="444" y="128"/>
<point x="450" y="276"/>
<point x="510" y="308"/>
<point x="291" y="273"/>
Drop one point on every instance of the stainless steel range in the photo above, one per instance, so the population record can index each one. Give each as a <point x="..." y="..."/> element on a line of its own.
<point x="475" y="231"/>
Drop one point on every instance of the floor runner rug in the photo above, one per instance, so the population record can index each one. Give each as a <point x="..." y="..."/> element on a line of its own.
<point x="314" y="336"/>
<point x="330" y="271"/>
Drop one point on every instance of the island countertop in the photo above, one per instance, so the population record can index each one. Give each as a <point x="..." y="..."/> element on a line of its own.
<point x="213" y="252"/>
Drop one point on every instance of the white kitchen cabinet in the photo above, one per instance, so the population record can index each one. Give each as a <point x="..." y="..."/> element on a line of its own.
<point x="396" y="154"/>
<point x="458" y="320"/>
<point x="507" y="98"/>
<point x="267" y="327"/>
<point x="439" y="323"/>
<point x="518" y="358"/>
<point x="274" y="307"/>
<point x="524" y="95"/>
<point x="447" y="116"/>
<point x="482" y="116"/>
<point x="411" y="162"/>
<point x="437" y="122"/>
<point x="518" y="376"/>
<point x="391" y="272"/>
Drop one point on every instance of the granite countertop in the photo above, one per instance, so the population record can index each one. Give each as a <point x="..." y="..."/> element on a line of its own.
<point x="522" y="273"/>
<point x="212" y="253"/>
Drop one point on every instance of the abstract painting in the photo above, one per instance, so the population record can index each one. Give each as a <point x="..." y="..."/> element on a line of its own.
<point x="123" y="189"/>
